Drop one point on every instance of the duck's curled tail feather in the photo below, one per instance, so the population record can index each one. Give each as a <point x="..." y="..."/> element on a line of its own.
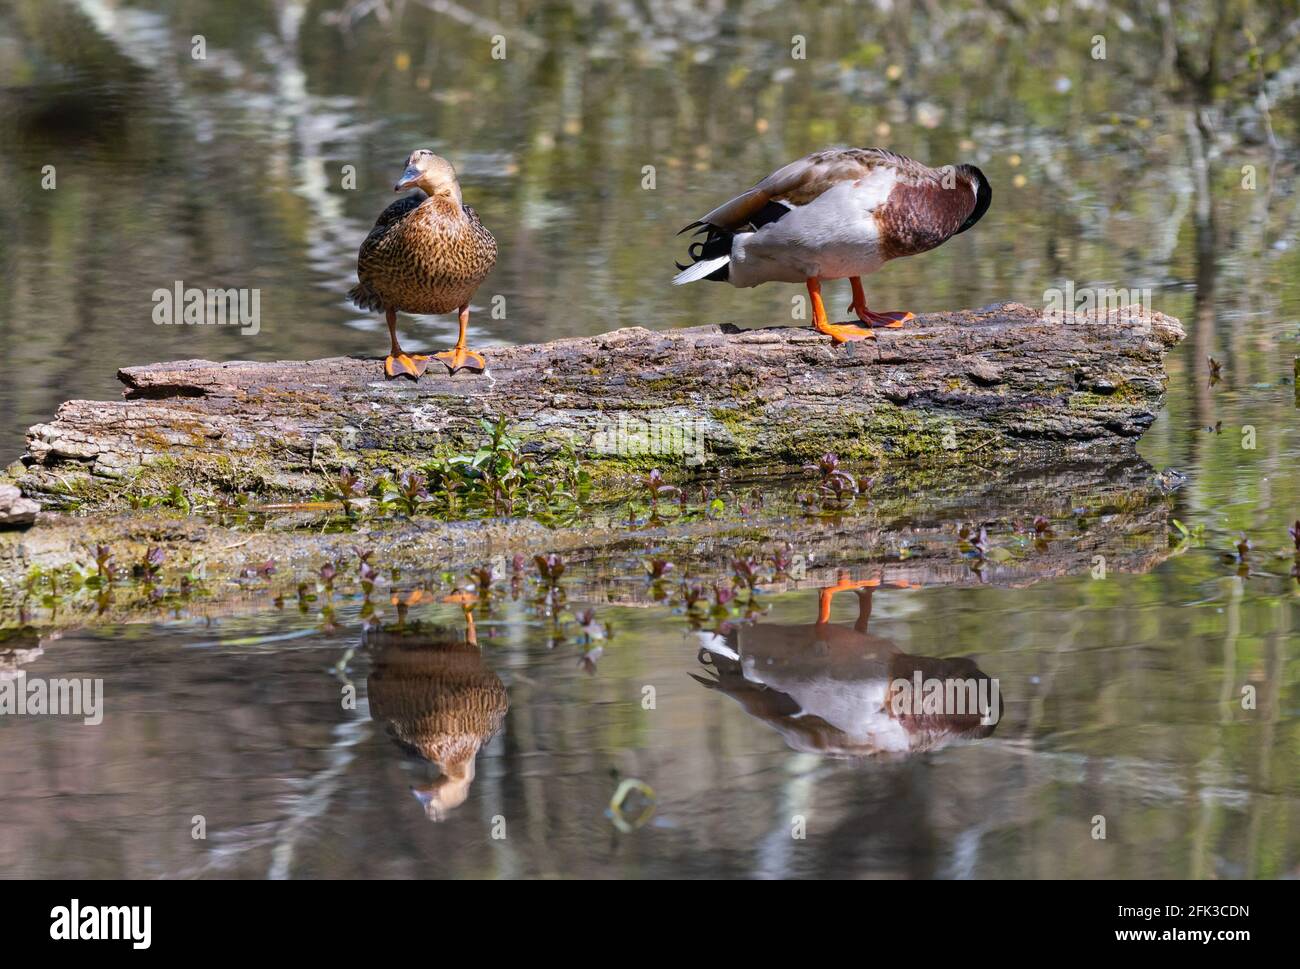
<point x="709" y="258"/>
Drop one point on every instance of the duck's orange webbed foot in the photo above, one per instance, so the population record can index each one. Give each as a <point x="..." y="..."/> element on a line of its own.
<point x="461" y="358"/>
<point x="891" y="321"/>
<point x="403" y="364"/>
<point x="838" y="332"/>
<point x="845" y="332"/>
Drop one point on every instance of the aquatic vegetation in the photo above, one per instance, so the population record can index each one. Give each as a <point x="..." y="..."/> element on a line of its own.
<point x="657" y="569"/>
<point x="782" y="560"/>
<point x="1243" y="547"/>
<point x="836" y="487"/>
<point x="746" y="571"/>
<point x="551" y="567"/>
<point x="407" y="493"/>
<point x="347" y="490"/>
<point x="655" y="487"/>
<point x="692" y="596"/>
<point x="175" y="497"/>
<point x="103" y="583"/>
<point x="483" y="579"/>
<point x="366" y="572"/>
<point x="1191" y="537"/>
<point x="502" y="478"/>
<point x="148" y="567"/>
<point x="104" y="563"/>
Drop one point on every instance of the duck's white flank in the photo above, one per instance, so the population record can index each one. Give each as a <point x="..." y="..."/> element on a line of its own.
<point x="832" y="237"/>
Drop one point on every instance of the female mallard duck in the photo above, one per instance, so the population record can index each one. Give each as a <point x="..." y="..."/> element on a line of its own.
<point x="427" y="253"/>
<point x="841" y="212"/>
<point x="440" y="701"/>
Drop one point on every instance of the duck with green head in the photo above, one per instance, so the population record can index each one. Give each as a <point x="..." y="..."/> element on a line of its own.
<point x="427" y="253"/>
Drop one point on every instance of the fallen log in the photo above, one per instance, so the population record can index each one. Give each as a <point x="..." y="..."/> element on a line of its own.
<point x="998" y="383"/>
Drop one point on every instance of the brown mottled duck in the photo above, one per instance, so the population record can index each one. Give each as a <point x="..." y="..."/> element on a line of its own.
<point x="440" y="701"/>
<point x="427" y="253"/>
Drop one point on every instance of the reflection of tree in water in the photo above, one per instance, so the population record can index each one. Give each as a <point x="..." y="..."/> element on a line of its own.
<point x="826" y="687"/>
<point x="440" y="702"/>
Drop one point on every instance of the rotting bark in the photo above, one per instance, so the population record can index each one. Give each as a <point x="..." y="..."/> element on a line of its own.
<point x="1003" y="382"/>
<point x="1111" y="509"/>
<point x="15" y="510"/>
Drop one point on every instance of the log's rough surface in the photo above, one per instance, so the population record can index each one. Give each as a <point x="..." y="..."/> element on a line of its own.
<point x="1004" y="381"/>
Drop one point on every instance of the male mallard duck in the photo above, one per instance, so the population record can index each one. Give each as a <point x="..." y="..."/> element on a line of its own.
<point x="427" y="253"/>
<point x="840" y="212"/>
<point x="830" y="688"/>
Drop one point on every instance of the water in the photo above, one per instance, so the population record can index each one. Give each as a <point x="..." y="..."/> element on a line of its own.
<point x="1119" y="700"/>
<point x="1122" y="695"/>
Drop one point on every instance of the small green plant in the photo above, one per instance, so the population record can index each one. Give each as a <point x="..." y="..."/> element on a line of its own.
<point x="407" y="494"/>
<point x="655" y="487"/>
<point x="501" y="478"/>
<point x="346" y="489"/>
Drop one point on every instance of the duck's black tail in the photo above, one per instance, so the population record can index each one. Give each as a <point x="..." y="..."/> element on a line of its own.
<point x="709" y="257"/>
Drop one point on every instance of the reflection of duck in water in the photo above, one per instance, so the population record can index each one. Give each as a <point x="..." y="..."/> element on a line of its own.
<point x="440" y="702"/>
<point x="834" y="688"/>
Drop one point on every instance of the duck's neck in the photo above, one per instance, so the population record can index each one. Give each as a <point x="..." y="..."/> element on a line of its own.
<point x="446" y="193"/>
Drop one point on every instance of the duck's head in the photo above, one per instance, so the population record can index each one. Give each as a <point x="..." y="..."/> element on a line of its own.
<point x="983" y="193"/>
<point x="430" y="173"/>
<point x="440" y="797"/>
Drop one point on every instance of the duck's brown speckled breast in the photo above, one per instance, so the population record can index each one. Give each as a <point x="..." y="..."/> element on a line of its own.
<point x="428" y="256"/>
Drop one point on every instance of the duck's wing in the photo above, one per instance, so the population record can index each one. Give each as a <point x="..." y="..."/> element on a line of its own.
<point x="370" y="258"/>
<point x="485" y="245"/>
<point x="396" y="212"/>
<point x="799" y="182"/>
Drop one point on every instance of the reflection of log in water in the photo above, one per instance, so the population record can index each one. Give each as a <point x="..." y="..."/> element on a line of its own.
<point x="1097" y="509"/>
<point x="833" y="688"/>
<point x="440" y="702"/>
